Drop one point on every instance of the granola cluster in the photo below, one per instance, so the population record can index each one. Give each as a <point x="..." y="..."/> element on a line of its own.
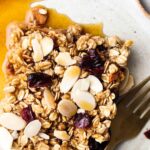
<point x="61" y="86"/>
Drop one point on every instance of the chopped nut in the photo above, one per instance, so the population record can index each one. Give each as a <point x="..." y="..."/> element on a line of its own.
<point x="43" y="11"/>
<point x="37" y="15"/>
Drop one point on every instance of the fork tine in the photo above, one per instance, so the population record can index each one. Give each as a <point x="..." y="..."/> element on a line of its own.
<point x="135" y="102"/>
<point x="146" y="114"/>
<point x="130" y="95"/>
<point x="142" y="107"/>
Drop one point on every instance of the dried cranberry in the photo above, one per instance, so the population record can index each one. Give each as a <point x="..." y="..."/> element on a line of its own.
<point x="27" y="114"/>
<point x="10" y="69"/>
<point x="39" y="79"/>
<point x="82" y="120"/>
<point x="94" y="145"/>
<point x="147" y="134"/>
<point x="92" y="63"/>
<point x="101" y="48"/>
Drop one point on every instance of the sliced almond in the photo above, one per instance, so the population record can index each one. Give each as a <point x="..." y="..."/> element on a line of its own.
<point x="85" y="100"/>
<point x="67" y="108"/>
<point x="128" y="86"/>
<point x="64" y="59"/>
<point x="95" y="84"/>
<point x="47" y="45"/>
<point x="70" y="77"/>
<point x="37" y="50"/>
<point x="32" y="129"/>
<point x="81" y="85"/>
<point x="6" y="139"/>
<point x="62" y="135"/>
<point x="49" y="99"/>
<point x="12" y="121"/>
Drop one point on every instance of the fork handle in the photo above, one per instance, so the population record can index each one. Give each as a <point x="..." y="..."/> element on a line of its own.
<point x="112" y="144"/>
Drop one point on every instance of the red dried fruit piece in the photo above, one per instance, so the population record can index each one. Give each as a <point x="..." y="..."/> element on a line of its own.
<point x="92" y="63"/>
<point x="147" y="134"/>
<point x="39" y="79"/>
<point x="82" y="120"/>
<point x="27" y="114"/>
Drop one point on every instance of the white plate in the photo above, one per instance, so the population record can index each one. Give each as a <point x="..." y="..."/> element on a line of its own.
<point x="122" y="18"/>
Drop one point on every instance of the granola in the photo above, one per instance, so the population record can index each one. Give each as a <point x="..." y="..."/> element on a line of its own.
<point x="61" y="85"/>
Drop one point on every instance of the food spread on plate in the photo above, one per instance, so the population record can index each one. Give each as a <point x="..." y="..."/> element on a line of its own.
<point x="61" y="85"/>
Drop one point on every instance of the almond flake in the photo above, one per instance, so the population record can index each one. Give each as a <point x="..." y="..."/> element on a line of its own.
<point x="85" y="100"/>
<point x="37" y="50"/>
<point x="70" y="77"/>
<point x="47" y="45"/>
<point x="6" y="140"/>
<point x="81" y="85"/>
<point x="95" y="84"/>
<point x="32" y="129"/>
<point x="12" y="121"/>
<point x="64" y="59"/>
<point x="67" y="108"/>
<point x="62" y="135"/>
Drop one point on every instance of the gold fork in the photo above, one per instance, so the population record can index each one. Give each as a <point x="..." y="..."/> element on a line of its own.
<point x="132" y="115"/>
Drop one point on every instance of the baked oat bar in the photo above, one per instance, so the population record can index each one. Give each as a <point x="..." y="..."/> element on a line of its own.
<point x="61" y="86"/>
